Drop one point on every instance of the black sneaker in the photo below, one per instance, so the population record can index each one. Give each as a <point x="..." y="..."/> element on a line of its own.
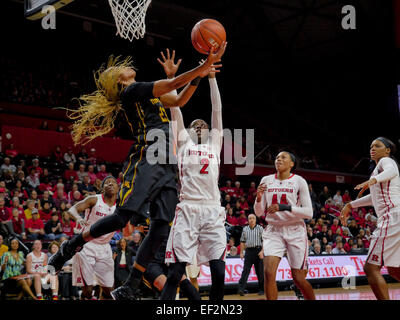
<point x="241" y="293"/>
<point x="260" y="293"/>
<point x="297" y="291"/>
<point x="58" y="259"/>
<point x="125" y="293"/>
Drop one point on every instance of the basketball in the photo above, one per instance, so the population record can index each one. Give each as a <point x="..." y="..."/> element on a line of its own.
<point x="207" y="33"/>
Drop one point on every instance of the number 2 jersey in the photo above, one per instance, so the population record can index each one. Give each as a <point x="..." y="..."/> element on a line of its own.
<point x="292" y="191"/>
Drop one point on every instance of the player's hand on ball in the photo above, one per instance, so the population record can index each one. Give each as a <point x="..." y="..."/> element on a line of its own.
<point x="211" y="74"/>
<point x="169" y="65"/>
<point x="273" y="208"/>
<point x="216" y="55"/>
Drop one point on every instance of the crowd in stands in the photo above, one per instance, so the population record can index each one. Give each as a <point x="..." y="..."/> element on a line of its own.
<point x="36" y="193"/>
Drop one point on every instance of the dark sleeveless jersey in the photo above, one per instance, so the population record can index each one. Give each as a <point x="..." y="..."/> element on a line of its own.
<point x="143" y="112"/>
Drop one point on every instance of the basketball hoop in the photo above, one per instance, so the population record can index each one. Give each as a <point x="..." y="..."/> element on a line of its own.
<point x="129" y="17"/>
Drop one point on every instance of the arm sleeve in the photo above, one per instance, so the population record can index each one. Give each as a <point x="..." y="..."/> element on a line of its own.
<point x="389" y="170"/>
<point x="216" y="114"/>
<point x="178" y="126"/>
<point x="306" y="209"/>
<point x="259" y="207"/>
<point x="137" y="91"/>
<point x="362" y="202"/>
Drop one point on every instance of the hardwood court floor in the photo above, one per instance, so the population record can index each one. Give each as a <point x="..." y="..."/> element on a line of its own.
<point x="360" y="293"/>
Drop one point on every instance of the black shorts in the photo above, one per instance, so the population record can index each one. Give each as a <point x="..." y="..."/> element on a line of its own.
<point x="148" y="189"/>
<point x="153" y="271"/>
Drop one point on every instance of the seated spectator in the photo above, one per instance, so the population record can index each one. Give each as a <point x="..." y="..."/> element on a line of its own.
<point x="17" y="225"/>
<point x="35" y="266"/>
<point x="135" y="243"/>
<point x="123" y="258"/>
<point x="316" y="249"/>
<point x="12" y="264"/>
<point x="233" y="252"/>
<point x="91" y="174"/>
<point x="338" y="234"/>
<point x="337" y="238"/>
<point x="348" y="245"/>
<point x="82" y="173"/>
<point x="324" y="231"/>
<point x="69" y="156"/>
<point x="11" y="151"/>
<point x="244" y="205"/>
<point x="68" y="225"/>
<point x="35" y="226"/>
<point x="252" y="193"/>
<point x="7" y="166"/>
<point x="228" y="189"/>
<point x="63" y="208"/>
<point x="324" y="243"/>
<point x="33" y="179"/>
<point x="330" y="236"/>
<point x="53" y="229"/>
<point x="45" y="183"/>
<point x="324" y="195"/>
<point x="310" y="234"/>
<point x="86" y="188"/>
<point x="3" y="247"/>
<point x="360" y="244"/>
<point x="353" y="228"/>
<point x="238" y="191"/>
<point x="226" y="201"/>
<point x="97" y="186"/>
<point x="360" y="219"/>
<point x="83" y="157"/>
<point x="339" y="248"/>
<point x="46" y="197"/>
<point x="335" y="226"/>
<point x="23" y="193"/>
<point x="114" y="240"/>
<point x="92" y="157"/>
<point x="70" y="174"/>
<point x="356" y="250"/>
<point x="102" y="173"/>
<point x="4" y="212"/>
<point x="237" y="208"/>
<point x="346" y="197"/>
<point x="46" y="212"/>
<point x="328" y="249"/>
<point x="34" y="197"/>
<point x="60" y="196"/>
<point x="70" y="196"/>
<point x="29" y="210"/>
<point x="243" y="219"/>
<point x="52" y="248"/>
<point x="231" y="219"/>
<point x="57" y="155"/>
<point x="368" y="234"/>
<point x="337" y="198"/>
<point x="35" y="164"/>
<point x="77" y="196"/>
<point x="318" y="226"/>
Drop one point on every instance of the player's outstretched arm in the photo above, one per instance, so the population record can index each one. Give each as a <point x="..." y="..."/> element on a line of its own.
<point x="81" y="206"/>
<point x="216" y="113"/>
<point x="162" y="87"/>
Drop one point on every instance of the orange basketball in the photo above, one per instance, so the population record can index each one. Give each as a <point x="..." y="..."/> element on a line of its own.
<point x="207" y="33"/>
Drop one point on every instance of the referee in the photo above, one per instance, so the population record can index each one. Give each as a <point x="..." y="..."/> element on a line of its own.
<point x="251" y="241"/>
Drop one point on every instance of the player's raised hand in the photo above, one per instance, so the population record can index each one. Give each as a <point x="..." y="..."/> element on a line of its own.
<point x="215" y="55"/>
<point x="260" y="191"/>
<point x="168" y="63"/>
<point x="210" y="74"/>
<point x="345" y="214"/>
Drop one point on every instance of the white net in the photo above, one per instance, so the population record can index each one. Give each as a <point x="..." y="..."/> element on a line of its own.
<point x="129" y="17"/>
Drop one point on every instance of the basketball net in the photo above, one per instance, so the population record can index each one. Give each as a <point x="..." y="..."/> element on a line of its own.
<point x="129" y="17"/>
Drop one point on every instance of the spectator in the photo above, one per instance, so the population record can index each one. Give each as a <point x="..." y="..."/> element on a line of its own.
<point x="360" y="244"/>
<point x="242" y="219"/>
<point x="17" y="225"/>
<point x="46" y="198"/>
<point x="227" y="200"/>
<point x="123" y="258"/>
<point x="16" y="205"/>
<point x="7" y="165"/>
<point x="337" y="199"/>
<point x="228" y="189"/>
<point x="328" y="249"/>
<point x="86" y="188"/>
<point x="77" y="196"/>
<point x="238" y="191"/>
<point x="12" y="263"/>
<point x="346" y="197"/>
<point x="11" y="151"/>
<point x="237" y="208"/>
<point x="60" y="196"/>
<point x="81" y="172"/>
<point x="336" y="226"/>
<point x="52" y="248"/>
<point x="339" y="248"/>
<point x="68" y="225"/>
<point x="35" y="226"/>
<point x="310" y="234"/>
<point x="113" y="242"/>
<point x="233" y="252"/>
<point x="313" y="195"/>
<point x="323" y="233"/>
<point x="70" y="196"/>
<point x="33" y="179"/>
<point x="57" y="156"/>
<point x="35" y="265"/>
<point x="91" y="174"/>
<point x="102" y="173"/>
<point x="46" y="212"/>
<point x="353" y="228"/>
<point x="92" y="157"/>
<point x="69" y="156"/>
<point x="244" y="205"/>
<point x="316" y="249"/>
<point x="252" y="193"/>
<point x="19" y="185"/>
<point x="97" y="186"/>
<point x="35" y="164"/>
<point x="4" y="212"/>
<point x="338" y="234"/>
<point x="70" y="174"/>
<point x="135" y="243"/>
<point x="231" y="219"/>
<point x="346" y="233"/>
<point x="330" y="235"/>
<point x="3" y="247"/>
<point x="34" y="197"/>
<point x="29" y="210"/>
<point x="348" y="245"/>
<point x="318" y="226"/>
<point x="8" y="180"/>
<point x="53" y="229"/>
<point x="252" y="252"/>
<point x="231" y="243"/>
<point x="324" y="195"/>
<point x="45" y="184"/>
<point x="83" y="156"/>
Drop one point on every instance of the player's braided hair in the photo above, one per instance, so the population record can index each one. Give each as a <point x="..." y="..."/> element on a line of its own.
<point x="97" y="111"/>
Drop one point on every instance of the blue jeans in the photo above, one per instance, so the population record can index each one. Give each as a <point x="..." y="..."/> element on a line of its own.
<point x="52" y="236"/>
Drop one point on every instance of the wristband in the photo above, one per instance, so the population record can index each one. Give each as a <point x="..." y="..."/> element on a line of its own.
<point x="195" y="82"/>
<point x="285" y="207"/>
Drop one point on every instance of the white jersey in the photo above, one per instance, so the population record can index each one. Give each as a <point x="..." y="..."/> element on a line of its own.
<point x="384" y="195"/>
<point x="98" y="211"/>
<point x="199" y="171"/>
<point x="292" y="191"/>
<point x="38" y="262"/>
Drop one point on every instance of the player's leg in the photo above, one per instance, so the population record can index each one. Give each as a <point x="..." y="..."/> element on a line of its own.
<point x="175" y="272"/>
<point x="376" y="281"/>
<point x="271" y="264"/>
<point x="37" y="284"/>
<point x="187" y="288"/>
<point x="25" y="284"/>
<point x="217" y="268"/>
<point x="104" y="270"/>
<point x="394" y="272"/>
<point x="299" y="279"/>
